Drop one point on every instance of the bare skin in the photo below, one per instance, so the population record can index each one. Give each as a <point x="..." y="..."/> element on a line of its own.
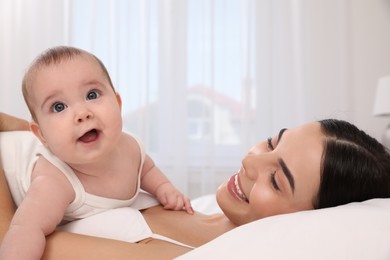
<point x="8" y="123"/>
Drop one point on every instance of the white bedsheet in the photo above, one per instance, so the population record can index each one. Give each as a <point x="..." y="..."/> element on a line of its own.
<point x="206" y="204"/>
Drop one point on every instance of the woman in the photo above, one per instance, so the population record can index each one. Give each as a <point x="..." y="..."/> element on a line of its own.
<point x="317" y="165"/>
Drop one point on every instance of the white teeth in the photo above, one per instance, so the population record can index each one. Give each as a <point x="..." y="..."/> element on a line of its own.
<point x="240" y="193"/>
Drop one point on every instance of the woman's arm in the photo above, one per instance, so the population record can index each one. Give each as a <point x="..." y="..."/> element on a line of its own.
<point x="9" y="123"/>
<point x="7" y="207"/>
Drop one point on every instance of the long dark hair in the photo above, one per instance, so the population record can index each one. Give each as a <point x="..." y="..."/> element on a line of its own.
<point x="356" y="167"/>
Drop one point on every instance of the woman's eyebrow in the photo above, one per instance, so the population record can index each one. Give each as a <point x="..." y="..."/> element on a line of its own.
<point x="285" y="169"/>
<point x="288" y="174"/>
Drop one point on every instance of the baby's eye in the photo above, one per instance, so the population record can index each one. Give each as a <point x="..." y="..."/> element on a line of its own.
<point x="93" y="95"/>
<point x="58" y="107"/>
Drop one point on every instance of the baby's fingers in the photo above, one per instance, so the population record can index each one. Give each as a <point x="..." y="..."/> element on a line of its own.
<point x="187" y="205"/>
<point x="173" y="202"/>
<point x="178" y="202"/>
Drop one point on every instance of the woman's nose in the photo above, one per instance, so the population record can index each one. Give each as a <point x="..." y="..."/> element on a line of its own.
<point x="257" y="164"/>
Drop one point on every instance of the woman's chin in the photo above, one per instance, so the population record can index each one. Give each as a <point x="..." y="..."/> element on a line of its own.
<point x="221" y="195"/>
<point x="233" y="209"/>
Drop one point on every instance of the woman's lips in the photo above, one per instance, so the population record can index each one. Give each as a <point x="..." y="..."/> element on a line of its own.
<point x="234" y="188"/>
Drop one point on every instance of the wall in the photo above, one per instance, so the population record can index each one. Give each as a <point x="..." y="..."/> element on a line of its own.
<point x="364" y="55"/>
<point x="27" y="31"/>
<point x="370" y="59"/>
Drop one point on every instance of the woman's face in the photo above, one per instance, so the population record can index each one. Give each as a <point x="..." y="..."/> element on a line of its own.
<point x="279" y="175"/>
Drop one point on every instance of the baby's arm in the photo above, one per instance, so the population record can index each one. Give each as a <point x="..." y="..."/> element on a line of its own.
<point x="64" y="245"/>
<point x="156" y="183"/>
<point x="38" y="215"/>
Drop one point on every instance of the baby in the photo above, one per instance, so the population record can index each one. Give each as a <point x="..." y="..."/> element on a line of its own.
<point x="86" y="163"/>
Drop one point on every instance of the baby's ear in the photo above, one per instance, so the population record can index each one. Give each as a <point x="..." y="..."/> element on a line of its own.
<point x="37" y="132"/>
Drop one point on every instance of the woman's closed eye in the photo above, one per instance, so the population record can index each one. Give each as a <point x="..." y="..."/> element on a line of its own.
<point x="273" y="181"/>
<point x="269" y="143"/>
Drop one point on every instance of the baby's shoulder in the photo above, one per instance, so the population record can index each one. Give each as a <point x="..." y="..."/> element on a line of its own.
<point x="131" y="140"/>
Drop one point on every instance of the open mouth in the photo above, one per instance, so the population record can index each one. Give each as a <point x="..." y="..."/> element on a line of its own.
<point x="238" y="188"/>
<point x="89" y="136"/>
<point x="235" y="188"/>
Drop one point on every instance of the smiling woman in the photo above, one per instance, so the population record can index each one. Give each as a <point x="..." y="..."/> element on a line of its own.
<point x="272" y="179"/>
<point x="341" y="164"/>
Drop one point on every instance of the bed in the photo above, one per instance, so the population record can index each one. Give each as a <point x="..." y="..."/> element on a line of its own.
<point x="357" y="231"/>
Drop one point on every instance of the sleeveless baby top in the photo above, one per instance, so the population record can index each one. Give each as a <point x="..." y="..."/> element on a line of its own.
<point x="20" y="151"/>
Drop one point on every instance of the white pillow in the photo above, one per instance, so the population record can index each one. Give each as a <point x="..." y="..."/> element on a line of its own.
<point x="357" y="231"/>
<point x="206" y="204"/>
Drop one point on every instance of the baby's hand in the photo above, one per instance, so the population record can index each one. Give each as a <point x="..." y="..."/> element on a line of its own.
<point x="173" y="199"/>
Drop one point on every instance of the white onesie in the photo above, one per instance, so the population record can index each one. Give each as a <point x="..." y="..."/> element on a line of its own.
<point x="19" y="152"/>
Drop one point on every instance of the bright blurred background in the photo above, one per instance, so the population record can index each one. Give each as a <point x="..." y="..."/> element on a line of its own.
<point x="203" y="80"/>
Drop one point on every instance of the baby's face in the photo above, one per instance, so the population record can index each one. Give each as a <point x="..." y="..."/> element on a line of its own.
<point x="78" y="113"/>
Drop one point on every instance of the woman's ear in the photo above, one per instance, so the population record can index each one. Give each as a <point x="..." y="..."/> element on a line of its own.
<point x="119" y="99"/>
<point x="37" y="132"/>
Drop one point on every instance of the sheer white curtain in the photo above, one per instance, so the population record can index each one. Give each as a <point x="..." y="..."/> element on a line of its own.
<point x="26" y="28"/>
<point x="201" y="80"/>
